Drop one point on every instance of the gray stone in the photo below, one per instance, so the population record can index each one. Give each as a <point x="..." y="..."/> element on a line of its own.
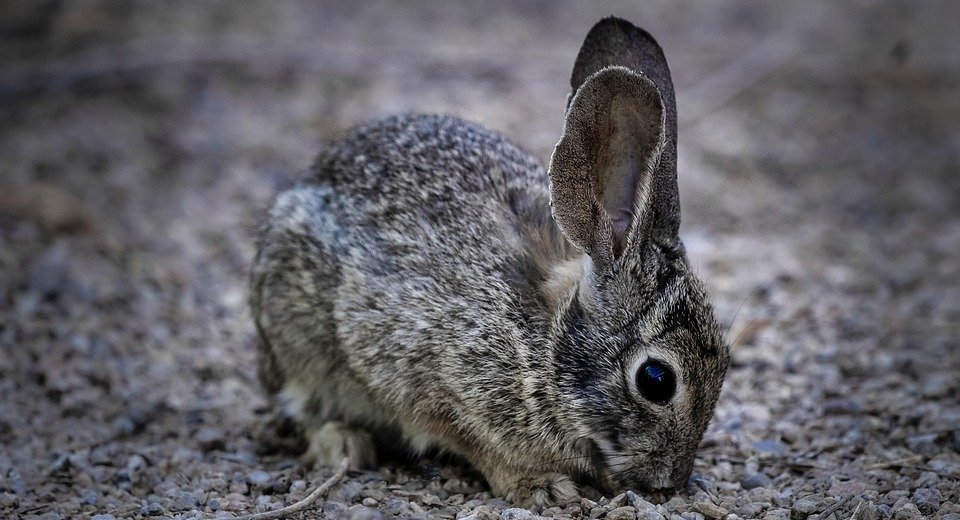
<point x="264" y="503"/>
<point x="754" y="480"/>
<point x="808" y="505"/>
<point x="258" y="478"/>
<point x="9" y="500"/>
<point x="925" y="444"/>
<point x="516" y="513"/>
<point x="333" y="509"/>
<point x="482" y="513"/>
<point x="346" y="492"/>
<point x="868" y="511"/>
<point x="639" y="503"/>
<point x="359" y="512"/>
<point x="210" y="439"/>
<point x="622" y="513"/>
<point x="771" y="446"/>
<point x="618" y="500"/>
<point x="650" y="515"/>
<point x="777" y="514"/>
<point x="152" y="509"/>
<point x="905" y="510"/>
<point x="927" y="500"/>
<point x="749" y="510"/>
<point x="710" y="510"/>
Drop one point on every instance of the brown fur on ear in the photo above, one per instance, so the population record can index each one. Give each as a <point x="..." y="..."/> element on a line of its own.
<point x="602" y="168"/>
<point x="617" y="42"/>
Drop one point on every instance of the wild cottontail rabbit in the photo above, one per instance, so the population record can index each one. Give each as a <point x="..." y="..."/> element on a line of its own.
<point x="417" y="286"/>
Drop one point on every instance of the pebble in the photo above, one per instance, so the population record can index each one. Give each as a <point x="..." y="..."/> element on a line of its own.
<point x="369" y="502"/>
<point x="868" y="511"/>
<point x="9" y="500"/>
<point x="333" y="509"/>
<point x="264" y="503"/>
<point x="236" y="501"/>
<point x="777" y="514"/>
<point x="622" y="513"/>
<point x="925" y="444"/>
<point x="676" y="504"/>
<point x="103" y="517"/>
<point x="905" y="510"/>
<point x="152" y="509"/>
<point x="482" y="513"/>
<point x="618" y="500"/>
<point x="749" y="510"/>
<point x="346" y="492"/>
<point x="771" y="446"/>
<point x="710" y="510"/>
<point x="638" y="502"/>
<point x="396" y="506"/>
<point x="927" y="500"/>
<point x="516" y="513"/>
<point x="210" y="439"/>
<point x="298" y="486"/>
<point x="258" y="478"/>
<point x="808" y="505"/>
<point x="754" y="480"/>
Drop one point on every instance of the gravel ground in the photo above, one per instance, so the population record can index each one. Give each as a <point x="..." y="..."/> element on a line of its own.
<point x="141" y="142"/>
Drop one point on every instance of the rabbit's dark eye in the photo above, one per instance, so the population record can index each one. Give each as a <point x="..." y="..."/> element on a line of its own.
<point x="656" y="382"/>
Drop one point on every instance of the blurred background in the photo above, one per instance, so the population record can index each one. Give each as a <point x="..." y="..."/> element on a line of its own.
<point x="141" y="142"/>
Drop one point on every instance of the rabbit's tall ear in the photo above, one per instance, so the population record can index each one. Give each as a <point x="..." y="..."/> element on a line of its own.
<point x="616" y="42"/>
<point x="602" y="173"/>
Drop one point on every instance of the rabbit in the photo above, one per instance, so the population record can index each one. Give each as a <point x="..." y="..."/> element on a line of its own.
<point x="429" y="283"/>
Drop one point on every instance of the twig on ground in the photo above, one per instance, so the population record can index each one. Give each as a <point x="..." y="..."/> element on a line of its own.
<point x="896" y="463"/>
<point x="302" y="505"/>
<point x="794" y="465"/>
<point x="856" y="512"/>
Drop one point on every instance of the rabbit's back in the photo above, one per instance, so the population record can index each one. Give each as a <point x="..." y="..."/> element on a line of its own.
<point x="402" y="268"/>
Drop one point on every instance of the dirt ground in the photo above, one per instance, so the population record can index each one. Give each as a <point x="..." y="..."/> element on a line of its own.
<point x="140" y="143"/>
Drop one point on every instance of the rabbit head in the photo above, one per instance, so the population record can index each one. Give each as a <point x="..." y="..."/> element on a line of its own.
<point x="641" y="358"/>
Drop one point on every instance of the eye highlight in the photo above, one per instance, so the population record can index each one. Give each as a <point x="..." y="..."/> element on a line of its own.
<point x="656" y="381"/>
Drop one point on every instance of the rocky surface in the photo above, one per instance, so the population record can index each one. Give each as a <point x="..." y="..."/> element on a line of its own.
<point x="820" y="176"/>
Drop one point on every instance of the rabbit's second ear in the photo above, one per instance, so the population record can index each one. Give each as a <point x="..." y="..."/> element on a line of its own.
<point x="601" y="172"/>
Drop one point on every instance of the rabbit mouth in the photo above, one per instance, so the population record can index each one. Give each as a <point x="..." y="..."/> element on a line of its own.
<point x="654" y="472"/>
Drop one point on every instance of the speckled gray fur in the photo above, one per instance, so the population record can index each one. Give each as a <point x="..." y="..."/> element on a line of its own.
<point x="417" y="285"/>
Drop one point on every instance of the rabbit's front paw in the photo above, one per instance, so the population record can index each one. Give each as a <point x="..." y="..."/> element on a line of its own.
<point x="336" y="440"/>
<point x="549" y="489"/>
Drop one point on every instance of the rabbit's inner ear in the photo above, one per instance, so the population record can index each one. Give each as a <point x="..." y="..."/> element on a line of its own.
<point x="602" y="169"/>
<point x="624" y="167"/>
